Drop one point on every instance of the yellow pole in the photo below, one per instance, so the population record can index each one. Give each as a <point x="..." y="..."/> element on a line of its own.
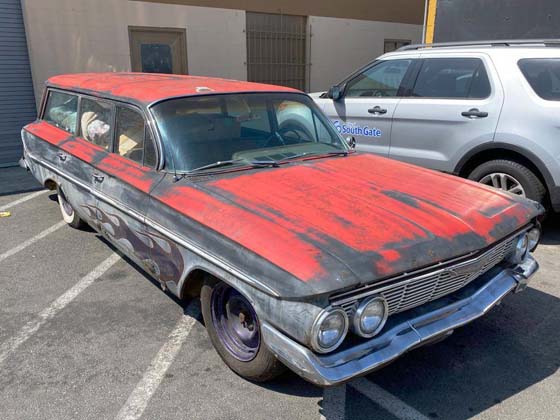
<point x="431" y="21"/>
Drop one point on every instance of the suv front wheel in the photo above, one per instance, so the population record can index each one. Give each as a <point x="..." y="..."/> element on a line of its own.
<point x="510" y="176"/>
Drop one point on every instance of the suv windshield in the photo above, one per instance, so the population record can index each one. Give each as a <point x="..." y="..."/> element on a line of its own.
<point x="242" y="128"/>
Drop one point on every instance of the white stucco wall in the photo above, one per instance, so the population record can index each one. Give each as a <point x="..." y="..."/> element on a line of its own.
<point x="340" y="46"/>
<point x="67" y="36"/>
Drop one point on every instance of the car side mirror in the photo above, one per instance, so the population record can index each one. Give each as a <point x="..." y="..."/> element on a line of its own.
<point x="335" y="93"/>
<point x="351" y="140"/>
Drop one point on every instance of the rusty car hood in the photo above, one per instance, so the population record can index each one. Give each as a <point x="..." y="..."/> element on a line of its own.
<point x="338" y="222"/>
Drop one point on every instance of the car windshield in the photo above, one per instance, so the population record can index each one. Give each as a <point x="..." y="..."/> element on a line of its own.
<point x="204" y="132"/>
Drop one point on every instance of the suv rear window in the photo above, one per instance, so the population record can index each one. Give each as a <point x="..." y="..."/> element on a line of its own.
<point x="452" y="78"/>
<point x="543" y="74"/>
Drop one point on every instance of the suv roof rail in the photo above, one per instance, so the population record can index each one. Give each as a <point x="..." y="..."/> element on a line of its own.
<point x="490" y="43"/>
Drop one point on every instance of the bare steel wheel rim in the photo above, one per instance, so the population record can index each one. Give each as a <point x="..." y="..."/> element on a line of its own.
<point x="504" y="182"/>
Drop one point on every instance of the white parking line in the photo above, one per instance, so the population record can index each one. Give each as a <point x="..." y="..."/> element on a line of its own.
<point x="23" y="200"/>
<point x="388" y="401"/>
<point x="31" y="241"/>
<point x="334" y="403"/>
<point x="139" y="398"/>
<point x="31" y="327"/>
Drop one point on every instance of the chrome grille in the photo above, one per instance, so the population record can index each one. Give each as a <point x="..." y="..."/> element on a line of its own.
<point x="431" y="285"/>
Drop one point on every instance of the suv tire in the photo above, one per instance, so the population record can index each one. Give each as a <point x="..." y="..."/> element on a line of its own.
<point x="532" y="186"/>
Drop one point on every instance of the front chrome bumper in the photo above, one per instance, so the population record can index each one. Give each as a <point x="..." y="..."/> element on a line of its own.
<point x="341" y="366"/>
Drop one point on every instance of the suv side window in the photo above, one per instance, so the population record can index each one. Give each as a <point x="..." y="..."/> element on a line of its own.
<point x="61" y="110"/>
<point x="96" y="121"/>
<point x="543" y="74"/>
<point x="381" y="80"/>
<point x="452" y="78"/>
<point x="133" y="140"/>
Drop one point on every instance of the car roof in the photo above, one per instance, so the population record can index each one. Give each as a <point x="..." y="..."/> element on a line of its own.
<point x="147" y="88"/>
<point x="516" y="50"/>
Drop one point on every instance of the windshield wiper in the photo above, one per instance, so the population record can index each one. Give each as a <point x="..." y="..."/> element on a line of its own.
<point x="218" y="164"/>
<point x="315" y="154"/>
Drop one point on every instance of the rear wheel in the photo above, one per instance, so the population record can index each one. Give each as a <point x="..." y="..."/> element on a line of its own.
<point x="68" y="213"/>
<point x="234" y="329"/>
<point x="510" y="176"/>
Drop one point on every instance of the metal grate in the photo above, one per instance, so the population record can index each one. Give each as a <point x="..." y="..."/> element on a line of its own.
<point x="276" y="49"/>
<point x="432" y="285"/>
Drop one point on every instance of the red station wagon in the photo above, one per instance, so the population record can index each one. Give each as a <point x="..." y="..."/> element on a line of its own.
<point x="304" y="253"/>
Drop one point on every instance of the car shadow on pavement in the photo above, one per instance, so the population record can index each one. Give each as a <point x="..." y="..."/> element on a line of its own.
<point x="482" y="364"/>
<point x="551" y="230"/>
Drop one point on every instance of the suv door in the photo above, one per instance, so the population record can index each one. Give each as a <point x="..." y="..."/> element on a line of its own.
<point x="453" y="106"/>
<point x="369" y="99"/>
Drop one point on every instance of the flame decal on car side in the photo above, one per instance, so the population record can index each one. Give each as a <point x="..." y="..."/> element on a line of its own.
<point x="159" y="255"/>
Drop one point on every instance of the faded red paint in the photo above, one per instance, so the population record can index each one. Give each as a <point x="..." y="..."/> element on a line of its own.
<point x="48" y="132"/>
<point x="263" y="237"/>
<point x="147" y="88"/>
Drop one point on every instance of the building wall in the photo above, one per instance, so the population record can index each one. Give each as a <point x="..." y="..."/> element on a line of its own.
<point x="340" y="46"/>
<point x="405" y="11"/>
<point x="66" y="36"/>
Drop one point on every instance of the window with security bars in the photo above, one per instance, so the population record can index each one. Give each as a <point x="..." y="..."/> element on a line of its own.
<point x="276" y="47"/>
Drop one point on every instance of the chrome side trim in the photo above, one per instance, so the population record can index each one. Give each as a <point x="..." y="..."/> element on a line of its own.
<point x="339" y="367"/>
<point x="191" y="246"/>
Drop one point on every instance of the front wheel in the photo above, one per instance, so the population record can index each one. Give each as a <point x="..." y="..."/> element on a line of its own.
<point x="234" y="329"/>
<point x="510" y="176"/>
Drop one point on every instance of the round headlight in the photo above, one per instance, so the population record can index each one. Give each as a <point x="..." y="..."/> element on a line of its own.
<point x="329" y="330"/>
<point x="533" y="236"/>
<point x="521" y="248"/>
<point x="370" y="316"/>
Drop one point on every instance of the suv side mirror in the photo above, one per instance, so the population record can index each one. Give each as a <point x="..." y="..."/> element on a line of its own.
<point x="335" y="93"/>
<point x="351" y="140"/>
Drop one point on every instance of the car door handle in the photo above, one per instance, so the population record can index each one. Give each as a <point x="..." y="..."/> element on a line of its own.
<point x="62" y="157"/>
<point x="98" y="178"/>
<point x="474" y="113"/>
<point x="377" y="110"/>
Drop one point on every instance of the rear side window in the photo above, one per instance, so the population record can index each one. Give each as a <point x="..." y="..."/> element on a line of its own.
<point x="452" y="78"/>
<point x="132" y="142"/>
<point x="61" y="110"/>
<point x="543" y="74"/>
<point x="381" y="80"/>
<point x="96" y="122"/>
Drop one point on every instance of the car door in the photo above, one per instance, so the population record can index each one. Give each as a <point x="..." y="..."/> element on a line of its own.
<point x="128" y="175"/>
<point x="369" y="98"/>
<point x="453" y="106"/>
<point x="62" y="152"/>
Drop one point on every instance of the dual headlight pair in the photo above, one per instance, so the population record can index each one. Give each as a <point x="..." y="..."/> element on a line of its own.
<point x="526" y="242"/>
<point x="332" y="325"/>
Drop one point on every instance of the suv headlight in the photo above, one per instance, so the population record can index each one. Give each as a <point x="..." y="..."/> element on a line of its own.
<point x="329" y="329"/>
<point x="370" y="316"/>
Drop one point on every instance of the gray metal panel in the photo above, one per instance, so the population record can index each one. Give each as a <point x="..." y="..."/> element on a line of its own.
<point x="459" y="20"/>
<point x="17" y="101"/>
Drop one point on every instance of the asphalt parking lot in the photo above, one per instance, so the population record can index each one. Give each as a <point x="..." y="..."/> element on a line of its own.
<point x="84" y="334"/>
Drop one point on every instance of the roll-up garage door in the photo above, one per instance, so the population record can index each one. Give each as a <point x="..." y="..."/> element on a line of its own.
<point x="17" y="101"/>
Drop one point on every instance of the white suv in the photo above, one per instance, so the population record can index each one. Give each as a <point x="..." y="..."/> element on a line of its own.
<point x="489" y="111"/>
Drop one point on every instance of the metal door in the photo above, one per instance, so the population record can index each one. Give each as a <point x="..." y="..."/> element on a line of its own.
<point x="276" y="49"/>
<point x="454" y="106"/>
